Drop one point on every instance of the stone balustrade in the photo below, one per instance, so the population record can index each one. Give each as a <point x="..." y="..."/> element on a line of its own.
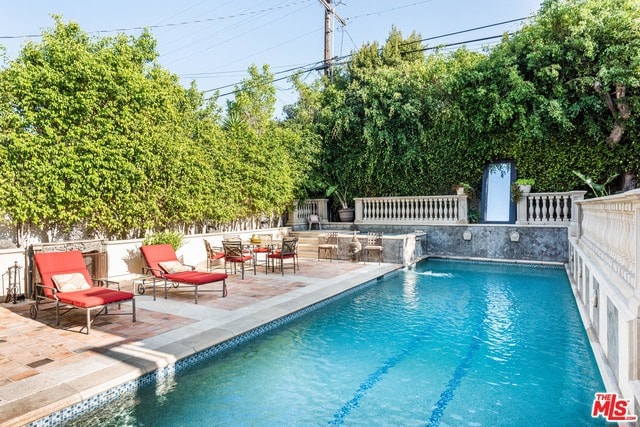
<point x="548" y="208"/>
<point x="609" y="230"/>
<point x="553" y="209"/>
<point x="302" y="210"/>
<point x="415" y="210"/>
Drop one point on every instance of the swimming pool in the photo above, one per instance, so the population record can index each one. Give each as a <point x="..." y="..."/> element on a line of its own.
<point x="443" y="343"/>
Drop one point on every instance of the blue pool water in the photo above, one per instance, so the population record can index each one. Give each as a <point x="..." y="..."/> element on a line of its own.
<point x="444" y="343"/>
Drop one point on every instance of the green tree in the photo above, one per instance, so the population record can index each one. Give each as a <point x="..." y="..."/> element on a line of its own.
<point x="95" y="135"/>
<point x="549" y="97"/>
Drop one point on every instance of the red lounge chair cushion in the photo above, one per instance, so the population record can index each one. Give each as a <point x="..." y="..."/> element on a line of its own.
<point x="53" y="263"/>
<point x="154" y="254"/>
<point x="196" y="277"/>
<point x="93" y="297"/>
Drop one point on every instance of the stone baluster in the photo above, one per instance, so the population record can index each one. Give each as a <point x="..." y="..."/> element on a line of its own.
<point x="545" y="208"/>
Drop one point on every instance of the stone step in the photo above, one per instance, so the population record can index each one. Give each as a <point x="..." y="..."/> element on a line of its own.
<point x="307" y="243"/>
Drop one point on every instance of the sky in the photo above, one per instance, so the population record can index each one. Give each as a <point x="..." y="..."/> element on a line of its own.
<point x="213" y="42"/>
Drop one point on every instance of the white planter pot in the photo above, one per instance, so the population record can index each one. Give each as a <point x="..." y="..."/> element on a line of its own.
<point x="525" y="188"/>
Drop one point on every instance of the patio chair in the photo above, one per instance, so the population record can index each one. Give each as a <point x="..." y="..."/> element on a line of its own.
<point x="287" y="251"/>
<point x="314" y="219"/>
<point x="65" y="280"/>
<point x="374" y="244"/>
<point x="213" y="254"/>
<point x="328" y="242"/>
<point x="236" y="253"/>
<point x="163" y="264"/>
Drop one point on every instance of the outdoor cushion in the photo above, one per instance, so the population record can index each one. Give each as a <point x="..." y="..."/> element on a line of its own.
<point x="279" y="254"/>
<point x="154" y="254"/>
<point x="173" y="266"/>
<point x="93" y="297"/>
<point x="195" y="277"/>
<point x="239" y="258"/>
<point x="70" y="282"/>
<point x="68" y="270"/>
<point x="157" y="256"/>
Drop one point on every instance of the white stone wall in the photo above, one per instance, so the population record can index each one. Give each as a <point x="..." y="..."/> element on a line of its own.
<point x="604" y="272"/>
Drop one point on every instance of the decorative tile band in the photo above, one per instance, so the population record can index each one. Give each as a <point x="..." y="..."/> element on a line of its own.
<point x="70" y="413"/>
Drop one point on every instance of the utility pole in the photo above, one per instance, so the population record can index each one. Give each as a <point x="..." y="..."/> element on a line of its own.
<point x="328" y="13"/>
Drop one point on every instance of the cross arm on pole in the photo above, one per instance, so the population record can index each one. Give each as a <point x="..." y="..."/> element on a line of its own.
<point x="327" y="6"/>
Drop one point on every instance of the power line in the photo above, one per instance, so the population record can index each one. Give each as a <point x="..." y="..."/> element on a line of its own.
<point x="176" y="24"/>
<point x="235" y="37"/>
<point x="345" y="61"/>
<point x="387" y="10"/>
<point x="319" y="65"/>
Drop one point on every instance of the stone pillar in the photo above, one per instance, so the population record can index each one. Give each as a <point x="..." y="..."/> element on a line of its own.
<point x="359" y="210"/>
<point x="521" y="209"/>
<point x="463" y="207"/>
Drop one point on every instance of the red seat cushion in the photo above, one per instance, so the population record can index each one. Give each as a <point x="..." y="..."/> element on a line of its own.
<point x="93" y="297"/>
<point x="261" y="250"/>
<point x="279" y="255"/>
<point x="196" y="277"/>
<point x="239" y="259"/>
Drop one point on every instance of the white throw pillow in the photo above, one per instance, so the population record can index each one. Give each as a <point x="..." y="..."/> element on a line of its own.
<point x="173" y="266"/>
<point x="70" y="282"/>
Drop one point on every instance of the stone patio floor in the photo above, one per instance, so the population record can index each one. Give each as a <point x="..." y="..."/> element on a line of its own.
<point x="45" y="368"/>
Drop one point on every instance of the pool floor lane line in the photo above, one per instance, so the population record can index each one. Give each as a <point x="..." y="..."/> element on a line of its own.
<point x="372" y="379"/>
<point x="460" y="372"/>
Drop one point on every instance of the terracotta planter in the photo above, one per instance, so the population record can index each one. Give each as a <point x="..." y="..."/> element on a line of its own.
<point x="346" y="215"/>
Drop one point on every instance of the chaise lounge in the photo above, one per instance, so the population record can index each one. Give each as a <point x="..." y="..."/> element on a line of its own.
<point x="163" y="264"/>
<point x="65" y="280"/>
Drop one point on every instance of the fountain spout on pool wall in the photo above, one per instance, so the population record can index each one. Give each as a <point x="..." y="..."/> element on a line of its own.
<point x="354" y="247"/>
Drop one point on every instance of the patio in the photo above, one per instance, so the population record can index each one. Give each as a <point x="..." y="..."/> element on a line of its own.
<point x="47" y="368"/>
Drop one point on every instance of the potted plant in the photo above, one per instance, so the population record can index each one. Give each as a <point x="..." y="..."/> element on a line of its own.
<point x="462" y="188"/>
<point x="520" y="186"/>
<point x="525" y="184"/>
<point x="346" y="213"/>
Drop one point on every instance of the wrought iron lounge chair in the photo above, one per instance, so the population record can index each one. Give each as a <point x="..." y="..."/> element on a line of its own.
<point x="163" y="264"/>
<point x="65" y="280"/>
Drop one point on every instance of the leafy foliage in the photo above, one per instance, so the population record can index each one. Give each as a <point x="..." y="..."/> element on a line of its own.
<point x="95" y="135"/>
<point x="174" y="238"/>
<point x="394" y="122"/>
